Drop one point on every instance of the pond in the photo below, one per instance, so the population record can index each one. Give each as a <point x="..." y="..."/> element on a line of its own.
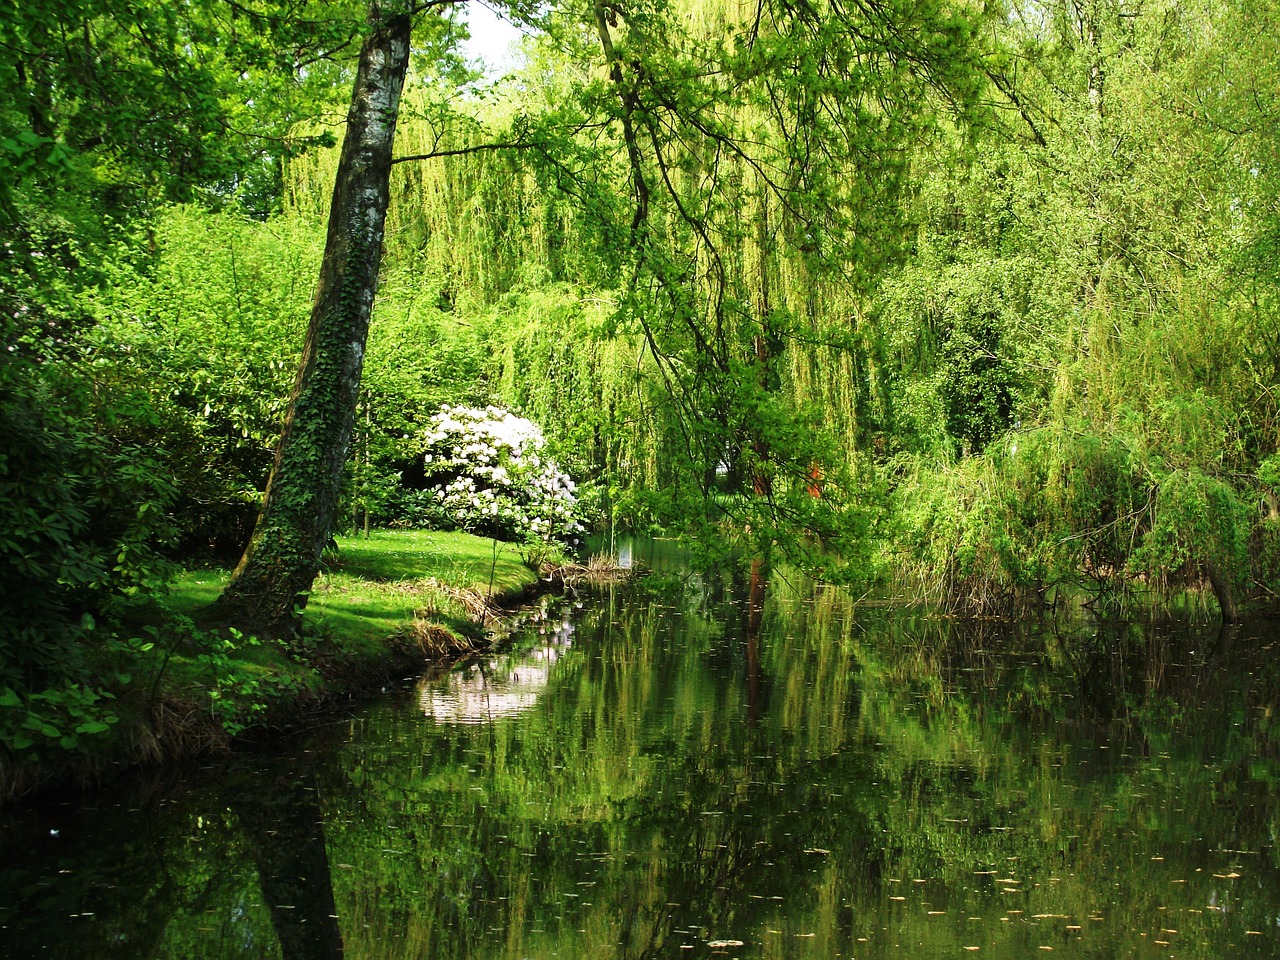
<point x="657" y="770"/>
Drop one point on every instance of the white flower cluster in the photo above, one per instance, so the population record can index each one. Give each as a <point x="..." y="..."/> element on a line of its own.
<point x="491" y="476"/>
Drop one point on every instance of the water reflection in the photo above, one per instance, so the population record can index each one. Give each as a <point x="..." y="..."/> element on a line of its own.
<point x="498" y="687"/>
<point x="715" y="770"/>
<point x="284" y="825"/>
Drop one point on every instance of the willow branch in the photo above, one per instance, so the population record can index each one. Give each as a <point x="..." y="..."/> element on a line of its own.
<point x="1003" y="84"/>
<point x="630" y="106"/>
<point x="464" y="151"/>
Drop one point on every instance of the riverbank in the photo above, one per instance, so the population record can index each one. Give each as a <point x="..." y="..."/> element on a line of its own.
<point x="383" y="607"/>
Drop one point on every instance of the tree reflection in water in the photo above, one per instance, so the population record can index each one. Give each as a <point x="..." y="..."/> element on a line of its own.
<point x="704" y="767"/>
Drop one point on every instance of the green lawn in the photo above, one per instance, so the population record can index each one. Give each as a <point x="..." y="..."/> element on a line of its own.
<point x="375" y="586"/>
<point x="366" y="594"/>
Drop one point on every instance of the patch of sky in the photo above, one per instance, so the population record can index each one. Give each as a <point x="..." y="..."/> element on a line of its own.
<point x="493" y="46"/>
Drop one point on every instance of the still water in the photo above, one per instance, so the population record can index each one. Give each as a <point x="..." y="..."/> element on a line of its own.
<point x="654" y="772"/>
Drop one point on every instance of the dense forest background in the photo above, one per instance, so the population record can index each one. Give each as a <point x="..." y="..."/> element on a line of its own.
<point x="969" y="303"/>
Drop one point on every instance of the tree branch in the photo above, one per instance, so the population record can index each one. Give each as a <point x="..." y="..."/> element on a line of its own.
<point x="630" y="106"/>
<point x="464" y="151"/>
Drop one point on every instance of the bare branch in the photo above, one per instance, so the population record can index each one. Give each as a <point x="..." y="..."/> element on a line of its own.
<point x="464" y="151"/>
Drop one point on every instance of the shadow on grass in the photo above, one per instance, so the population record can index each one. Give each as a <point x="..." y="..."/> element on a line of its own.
<point x="375" y="586"/>
<point x="459" y="559"/>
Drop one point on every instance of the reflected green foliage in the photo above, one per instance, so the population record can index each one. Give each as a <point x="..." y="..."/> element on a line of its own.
<point x="647" y="772"/>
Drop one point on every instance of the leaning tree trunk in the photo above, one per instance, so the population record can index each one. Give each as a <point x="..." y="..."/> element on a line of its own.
<point x="282" y="559"/>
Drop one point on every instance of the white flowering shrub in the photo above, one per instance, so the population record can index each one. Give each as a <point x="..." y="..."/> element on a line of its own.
<point x="488" y="475"/>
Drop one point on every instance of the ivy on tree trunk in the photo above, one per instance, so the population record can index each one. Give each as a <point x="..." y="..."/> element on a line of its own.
<point x="275" y="575"/>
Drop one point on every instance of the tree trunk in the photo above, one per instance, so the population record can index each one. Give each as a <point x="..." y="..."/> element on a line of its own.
<point x="274" y="577"/>
<point x="1220" y="581"/>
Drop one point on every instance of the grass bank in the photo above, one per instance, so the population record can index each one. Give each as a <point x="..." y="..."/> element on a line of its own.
<point x="383" y="606"/>
<point x="372" y="588"/>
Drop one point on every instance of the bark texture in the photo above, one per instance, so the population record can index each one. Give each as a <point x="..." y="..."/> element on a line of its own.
<point x="275" y="575"/>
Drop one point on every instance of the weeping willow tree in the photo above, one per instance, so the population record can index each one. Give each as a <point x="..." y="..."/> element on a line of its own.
<point x="765" y="189"/>
<point x="489" y="253"/>
<point x="702" y="194"/>
<point x="1084" y="406"/>
<point x="734" y="255"/>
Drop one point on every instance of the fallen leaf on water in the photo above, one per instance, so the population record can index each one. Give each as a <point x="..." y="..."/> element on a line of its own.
<point x="727" y="943"/>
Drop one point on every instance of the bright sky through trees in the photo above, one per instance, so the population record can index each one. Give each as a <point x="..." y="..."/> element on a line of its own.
<point x="491" y="40"/>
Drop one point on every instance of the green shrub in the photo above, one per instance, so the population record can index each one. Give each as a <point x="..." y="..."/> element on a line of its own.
<point x="83" y="515"/>
<point x="1200" y="528"/>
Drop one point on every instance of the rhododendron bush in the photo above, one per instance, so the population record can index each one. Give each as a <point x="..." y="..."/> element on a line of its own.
<point x="488" y="475"/>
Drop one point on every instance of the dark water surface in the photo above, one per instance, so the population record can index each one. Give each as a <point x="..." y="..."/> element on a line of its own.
<point x="650" y="774"/>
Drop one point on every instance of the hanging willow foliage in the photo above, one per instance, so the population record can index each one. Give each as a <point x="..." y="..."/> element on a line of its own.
<point x="752" y="258"/>
<point x="701" y="340"/>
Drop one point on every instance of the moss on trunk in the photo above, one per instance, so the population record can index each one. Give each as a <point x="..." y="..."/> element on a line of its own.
<point x="274" y="577"/>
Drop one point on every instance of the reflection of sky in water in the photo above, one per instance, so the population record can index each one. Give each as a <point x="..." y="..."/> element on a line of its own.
<point x="504" y="686"/>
